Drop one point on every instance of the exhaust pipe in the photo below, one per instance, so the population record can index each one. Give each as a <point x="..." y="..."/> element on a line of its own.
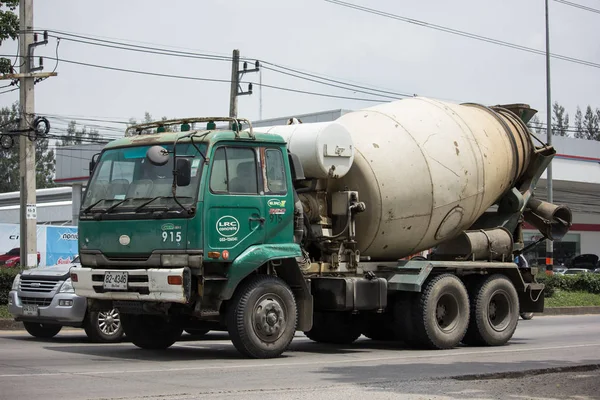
<point x="551" y="220"/>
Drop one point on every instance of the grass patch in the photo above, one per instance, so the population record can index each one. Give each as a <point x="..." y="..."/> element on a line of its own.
<point x="4" y="312"/>
<point x="561" y="298"/>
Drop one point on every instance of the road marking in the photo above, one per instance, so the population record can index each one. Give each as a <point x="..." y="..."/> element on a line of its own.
<point x="435" y="354"/>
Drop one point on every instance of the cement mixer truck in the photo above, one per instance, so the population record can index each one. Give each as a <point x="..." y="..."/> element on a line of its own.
<point x="263" y="232"/>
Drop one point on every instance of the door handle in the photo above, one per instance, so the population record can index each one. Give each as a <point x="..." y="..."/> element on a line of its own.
<point x="259" y="219"/>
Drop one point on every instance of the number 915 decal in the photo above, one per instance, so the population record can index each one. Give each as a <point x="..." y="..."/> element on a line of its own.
<point x="171" y="236"/>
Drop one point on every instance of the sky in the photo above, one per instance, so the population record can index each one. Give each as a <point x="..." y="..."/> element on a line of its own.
<point x="312" y="36"/>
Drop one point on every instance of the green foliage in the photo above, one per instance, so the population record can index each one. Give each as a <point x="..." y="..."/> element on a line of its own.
<point x="572" y="299"/>
<point x="148" y="119"/>
<point x="7" y="275"/>
<point x="78" y="136"/>
<point x="589" y="283"/>
<point x="9" y="28"/>
<point x="4" y="312"/>
<point x="560" y="120"/>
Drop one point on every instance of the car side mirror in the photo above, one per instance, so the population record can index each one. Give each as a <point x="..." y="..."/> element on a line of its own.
<point x="184" y="171"/>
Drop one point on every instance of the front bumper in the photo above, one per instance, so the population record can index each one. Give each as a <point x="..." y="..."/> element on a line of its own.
<point x="143" y="284"/>
<point x="53" y="313"/>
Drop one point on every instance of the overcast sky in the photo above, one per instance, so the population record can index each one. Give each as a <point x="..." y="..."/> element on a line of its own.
<point x="313" y="36"/>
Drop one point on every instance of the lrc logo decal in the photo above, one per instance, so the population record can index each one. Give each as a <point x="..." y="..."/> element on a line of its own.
<point x="228" y="226"/>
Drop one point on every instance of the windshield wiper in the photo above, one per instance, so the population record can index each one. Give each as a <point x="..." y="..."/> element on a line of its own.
<point x="141" y="206"/>
<point x="138" y="208"/>
<point x="109" y="209"/>
<point x="89" y="208"/>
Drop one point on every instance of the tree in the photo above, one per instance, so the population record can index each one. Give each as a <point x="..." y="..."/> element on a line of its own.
<point x="75" y="136"/>
<point x="9" y="29"/>
<point x="535" y="124"/>
<point x="579" y="124"/>
<point x="9" y="159"/>
<point x="560" y="120"/>
<point x="590" y="125"/>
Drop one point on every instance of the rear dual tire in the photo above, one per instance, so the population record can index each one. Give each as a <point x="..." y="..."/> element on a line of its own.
<point x="494" y="312"/>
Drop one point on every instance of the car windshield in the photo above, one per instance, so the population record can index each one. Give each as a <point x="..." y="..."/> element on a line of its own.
<point x="125" y="179"/>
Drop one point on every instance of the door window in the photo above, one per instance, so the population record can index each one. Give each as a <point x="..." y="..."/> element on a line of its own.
<point x="234" y="171"/>
<point x="275" y="172"/>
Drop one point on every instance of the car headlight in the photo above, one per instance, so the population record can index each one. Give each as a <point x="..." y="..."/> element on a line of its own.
<point x="16" y="281"/>
<point x="10" y="261"/>
<point x="67" y="287"/>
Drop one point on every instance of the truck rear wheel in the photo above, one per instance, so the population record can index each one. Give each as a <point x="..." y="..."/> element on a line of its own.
<point x="377" y="327"/>
<point x="494" y="312"/>
<point x="42" y="331"/>
<point x="152" y="332"/>
<point x="442" y="313"/>
<point x="261" y="318"/>
<point x="333" y="327"/>
<point x="404" y="327"/>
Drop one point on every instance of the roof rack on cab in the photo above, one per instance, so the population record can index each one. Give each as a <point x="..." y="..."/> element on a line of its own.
<point x="235" y="123"/>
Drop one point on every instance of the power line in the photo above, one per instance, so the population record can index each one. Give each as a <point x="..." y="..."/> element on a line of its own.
<point x="161" y="51"/>
<point x="581" y="6"/>
<point x="210" y="80"/>
<point x="461" y="33"/>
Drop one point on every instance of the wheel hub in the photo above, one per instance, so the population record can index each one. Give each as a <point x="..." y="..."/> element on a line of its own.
<point x="269" y="319"/>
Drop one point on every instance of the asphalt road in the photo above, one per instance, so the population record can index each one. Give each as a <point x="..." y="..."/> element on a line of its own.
<point x="69" y="367"/>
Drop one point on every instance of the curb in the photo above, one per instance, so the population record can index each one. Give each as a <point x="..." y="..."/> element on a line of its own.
<point x="571" y="310"/>
<point x="10" y="325"/>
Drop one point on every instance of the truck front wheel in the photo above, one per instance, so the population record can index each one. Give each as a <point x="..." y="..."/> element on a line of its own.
<point x="151" y="332"/>
<point x="442" y="313"/>
<point x="494" y="312"/>
<point x="261" y="318"/>
<point x="42" y="331"/>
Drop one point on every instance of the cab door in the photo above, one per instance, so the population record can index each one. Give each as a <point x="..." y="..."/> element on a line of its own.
<point x="234" y="204"/>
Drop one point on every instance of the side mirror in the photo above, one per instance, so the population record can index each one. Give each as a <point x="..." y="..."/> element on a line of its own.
<point x="296" y="167"/>
<point x="157" y="155"/>
<point x="93" y="163"/>
<point x="184" y="171"/>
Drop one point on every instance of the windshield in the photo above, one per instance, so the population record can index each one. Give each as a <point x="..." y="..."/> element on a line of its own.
<point x="125" y="179"/>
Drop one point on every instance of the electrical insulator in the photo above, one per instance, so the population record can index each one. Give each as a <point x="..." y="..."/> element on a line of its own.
<point x="245" y="65"/>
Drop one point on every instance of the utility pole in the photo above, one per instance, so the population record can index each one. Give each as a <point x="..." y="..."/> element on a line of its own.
<point x="235" y="67"/>
<point x="549" y="243"/>
<point x="236" y="77"/>
<point x="28" y="210"/>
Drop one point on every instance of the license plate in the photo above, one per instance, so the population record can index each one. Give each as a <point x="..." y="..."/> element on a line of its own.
<point x="30" y="310"/>
<point x="115" y="280"/>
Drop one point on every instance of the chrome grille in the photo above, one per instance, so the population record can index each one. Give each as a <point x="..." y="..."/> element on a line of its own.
<point x="37" y="286"/>
<point x="40" y="301"/>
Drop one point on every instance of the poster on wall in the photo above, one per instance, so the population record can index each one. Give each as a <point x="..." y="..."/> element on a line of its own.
<point x="56" y="244"/>
<point x="10" y="238"/>
<point x="61" y="244"/>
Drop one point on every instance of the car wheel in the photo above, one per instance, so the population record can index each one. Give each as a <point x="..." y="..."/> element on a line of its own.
<point x="104" y="326"/>
<point x="42" y="331"/>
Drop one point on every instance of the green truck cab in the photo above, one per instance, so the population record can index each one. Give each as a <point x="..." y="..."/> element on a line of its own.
<point x="154" y="243"/>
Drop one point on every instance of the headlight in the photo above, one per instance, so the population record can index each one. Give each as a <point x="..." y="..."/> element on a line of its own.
<point x="15" y="285"/>
<point x="67" y="287"/>
<point x="10" y="261"/>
